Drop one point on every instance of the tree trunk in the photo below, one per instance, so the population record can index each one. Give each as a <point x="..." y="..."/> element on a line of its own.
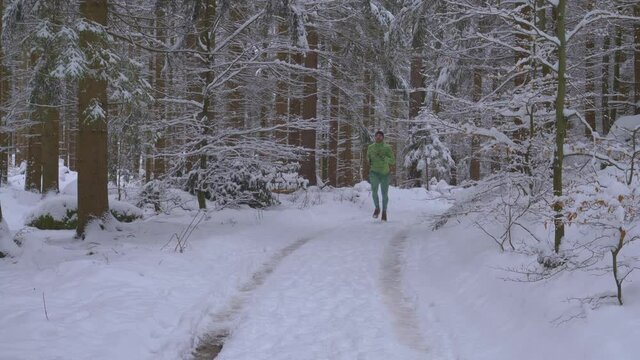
<point x="5" y="91"/>
<point x="367" y="122"/>
<point x="345" y="176"/>
<point x="282" y="90"/>
<point x="310" y="109"/>
<point x="590" y="85"/>
<point x="295" y="104"/>
<point x="606" y="63"/>
<point x="92" y="157"/>
<point x="636" y="60"/>
<point x="50" y="148"/>
<point x="33" y="176"/>
<point x="558" y="159"/>
<point x="474" y="165"/>
<point x="334" y="135"/>
<point x="159" y="166"/>
<point x="416" y="99"/>
<point x="617" y="80"/>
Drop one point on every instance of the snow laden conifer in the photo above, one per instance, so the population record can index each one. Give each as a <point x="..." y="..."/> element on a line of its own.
<point x="425" y="148"/>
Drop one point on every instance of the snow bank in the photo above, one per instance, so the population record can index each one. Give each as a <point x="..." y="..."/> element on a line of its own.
<point x="60" y="212"/>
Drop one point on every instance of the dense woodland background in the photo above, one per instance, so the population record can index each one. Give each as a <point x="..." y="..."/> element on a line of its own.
<point x="233" y="100"/>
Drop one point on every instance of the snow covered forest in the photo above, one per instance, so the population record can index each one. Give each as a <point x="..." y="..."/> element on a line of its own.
<point x="188" y="179"/>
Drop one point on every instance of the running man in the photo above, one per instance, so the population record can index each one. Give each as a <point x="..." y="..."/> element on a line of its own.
<point x="380" y="157"/>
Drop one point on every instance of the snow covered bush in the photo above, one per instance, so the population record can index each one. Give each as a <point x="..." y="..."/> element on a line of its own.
<point x="240" y="183"/>
<point x="427" y="153"/>
<point x="60" y="213"/>
<point x="55" y="213"/>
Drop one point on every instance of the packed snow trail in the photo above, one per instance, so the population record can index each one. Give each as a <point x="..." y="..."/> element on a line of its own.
<point x="336" y="296"/>
<point x="212" y="342"/>
<point x="404" y="314"/>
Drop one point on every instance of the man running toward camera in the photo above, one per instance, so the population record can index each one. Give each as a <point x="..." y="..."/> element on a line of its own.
<point x="380" y="157"/>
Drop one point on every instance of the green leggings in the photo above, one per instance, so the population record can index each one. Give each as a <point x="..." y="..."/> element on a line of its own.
<point x="382" y="181"/>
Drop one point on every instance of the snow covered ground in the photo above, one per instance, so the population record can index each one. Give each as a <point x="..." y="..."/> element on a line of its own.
<point x="313" y="278"/>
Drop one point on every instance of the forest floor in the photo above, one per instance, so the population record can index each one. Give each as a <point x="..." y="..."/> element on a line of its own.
<point x="312" y="278"/>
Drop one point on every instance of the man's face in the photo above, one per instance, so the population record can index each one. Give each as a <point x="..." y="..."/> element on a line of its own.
<point x="379" y="138"/>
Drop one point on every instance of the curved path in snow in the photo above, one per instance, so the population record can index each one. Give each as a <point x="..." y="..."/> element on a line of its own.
<point x="340" y="296"/>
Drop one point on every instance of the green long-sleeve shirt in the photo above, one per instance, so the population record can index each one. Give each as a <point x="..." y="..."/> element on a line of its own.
<point x="380" y="156"/>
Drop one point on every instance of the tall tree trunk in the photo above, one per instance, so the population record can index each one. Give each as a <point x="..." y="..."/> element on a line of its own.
<point x="636" y="60"/>
<point x="367" y="121"/>
<point x="606" y="63"/>
<point x="345" y="176"/>
<point x="235" y="108"/>
<point x="523" y="41"/>
<point x="205" y="41"/>
<point x="590" y="85"/>
<point x="295" y="103"/>
<point x="50" y="148"/>
<point x="334" y="113"/>
<point x="617" y="77"/>
<point x="159" y="166"/>
<point x="558" y="159"/>
<point x="310" y="108"/>
<point x="474" y="166"/>
<point x="92" y="157"/>
<point x="282" y="90"/>
<point x="416" y="97"/>
<point x="5" y="91"/>
<point x="33" y="176"/>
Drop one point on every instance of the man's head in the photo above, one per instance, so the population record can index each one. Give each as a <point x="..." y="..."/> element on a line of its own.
<point x="379" y="136"/>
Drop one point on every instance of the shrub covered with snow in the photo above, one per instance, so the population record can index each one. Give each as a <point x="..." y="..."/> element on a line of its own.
<point x="61" y="213"/>
<point x="235" y="183"/>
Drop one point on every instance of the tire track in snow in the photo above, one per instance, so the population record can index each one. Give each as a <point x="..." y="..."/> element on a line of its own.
<point x="210" y="344"/>
<point x="404" y="314"/>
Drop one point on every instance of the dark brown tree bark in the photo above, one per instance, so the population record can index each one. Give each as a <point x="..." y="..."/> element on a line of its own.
<point x="345" y="171"/>
<point x="282" y="91"/>
<point x="367" y="120"/>
<point x="33" y="176"/>
<point x="159" y="166"/>
<point x="636" y="60"/>
<point x="93" y="201"/>
<point x="295" y="103"/>
<point x="5" y="91"/>
<point x="590" y="84"/>
<point x="416" y="99"/>
<point x="334" y="127"/>
<point x="50" y="148"/>
<point x="310" y="109"/>
<point x="606" y="63"/>
<point x="617" y="77"/>
<point x="474" y="165"/>
<point x="561" y="124"/>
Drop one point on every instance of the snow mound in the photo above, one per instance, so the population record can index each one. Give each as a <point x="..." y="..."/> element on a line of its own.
<point x="58" y="207"/>
<point x="7" y="246"/>
<point x="71" y="188"/>
<point x="623" y="127"/>
<point x="60" y="212"/>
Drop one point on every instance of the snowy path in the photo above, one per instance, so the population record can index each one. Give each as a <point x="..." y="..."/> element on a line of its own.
<point x="212" y="342"/>
<point x="339" y="294"/>
<point x="326" y="301"/>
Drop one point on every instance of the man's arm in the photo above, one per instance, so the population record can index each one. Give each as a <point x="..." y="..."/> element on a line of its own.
<point x="391" y="160"/>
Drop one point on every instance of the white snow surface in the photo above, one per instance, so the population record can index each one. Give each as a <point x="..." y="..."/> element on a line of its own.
<point x="313" y="278"/>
